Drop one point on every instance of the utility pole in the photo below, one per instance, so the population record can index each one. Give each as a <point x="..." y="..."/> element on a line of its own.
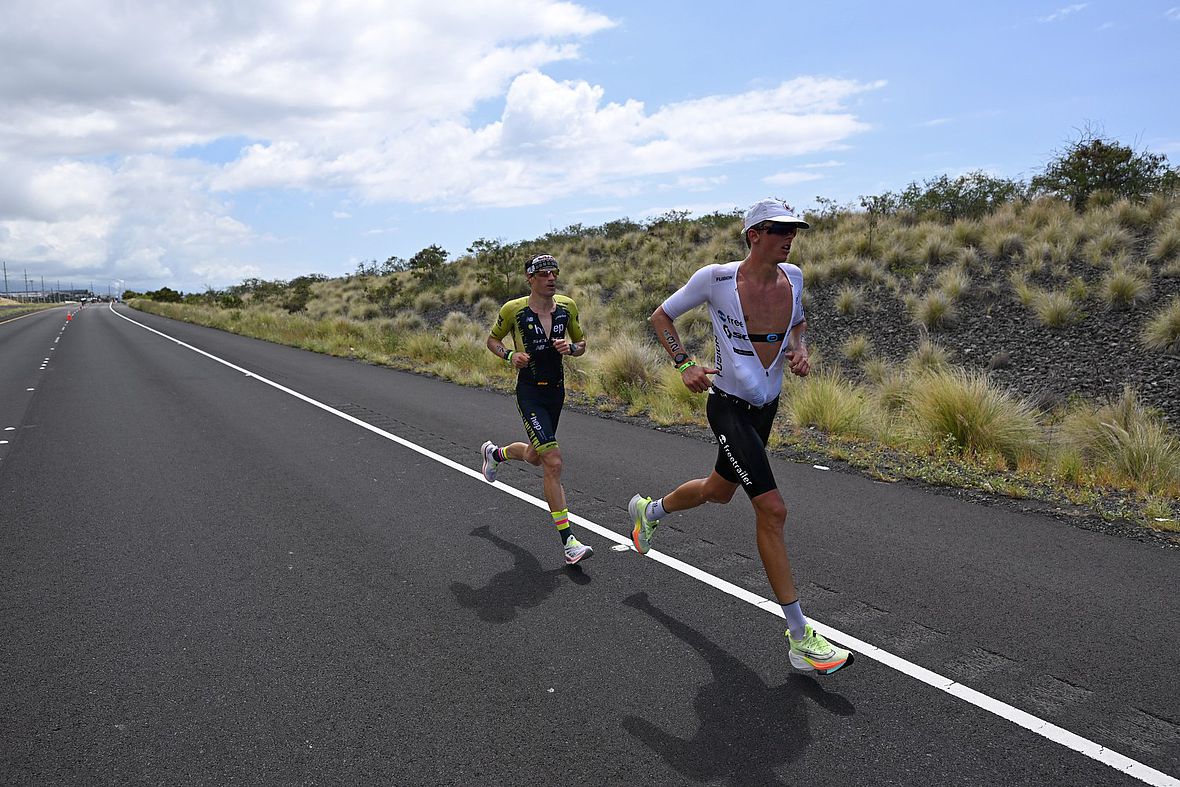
<point x="5" y="264"/>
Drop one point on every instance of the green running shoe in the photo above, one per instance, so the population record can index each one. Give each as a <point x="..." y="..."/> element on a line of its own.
<point x="813" y="652"/>
<point x="645" y="529"/>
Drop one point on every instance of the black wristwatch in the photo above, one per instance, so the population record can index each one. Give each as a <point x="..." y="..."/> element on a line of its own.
<point x="679" y="358"/>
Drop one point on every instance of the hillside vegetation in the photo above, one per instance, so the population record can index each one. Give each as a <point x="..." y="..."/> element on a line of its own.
<point x="1021" y="340"/>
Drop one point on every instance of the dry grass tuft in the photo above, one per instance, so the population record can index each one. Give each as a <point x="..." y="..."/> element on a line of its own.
<point x="1127" y="438"/>
<point x="832" y="404"/>
<point x="1056" y="309"/>
<point x="966" y="409"/>
<point x="1162" y="331"/>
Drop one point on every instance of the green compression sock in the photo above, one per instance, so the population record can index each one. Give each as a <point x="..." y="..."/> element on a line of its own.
<point x="562" y="520"/>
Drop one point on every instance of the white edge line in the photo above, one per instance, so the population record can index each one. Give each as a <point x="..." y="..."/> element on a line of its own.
<point x="1013" y="714"/>
<point x="30" y="314"/>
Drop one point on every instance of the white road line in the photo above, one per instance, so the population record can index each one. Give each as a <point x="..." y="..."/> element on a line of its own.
<point x="14" y="319"/>
<point x="1052" y="732"/>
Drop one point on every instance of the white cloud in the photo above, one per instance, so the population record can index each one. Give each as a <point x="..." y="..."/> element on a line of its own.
<point x="1173" y="14"/>
<point x="340" y="214"/>
<point x="695" y="183"/>
<point x="791" y="178"/>
<point x="356" y="98"/>
<point x="558" y="138"/>
<point x="214" y="271"/>
<point x="1063" y="12"/>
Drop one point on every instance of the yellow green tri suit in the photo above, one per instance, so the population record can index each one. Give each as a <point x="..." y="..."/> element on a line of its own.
<point x="540" y="386"/>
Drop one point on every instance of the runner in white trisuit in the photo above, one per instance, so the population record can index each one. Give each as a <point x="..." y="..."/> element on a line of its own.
<point x="740" y="371"/>
<point x="756" y="306"/>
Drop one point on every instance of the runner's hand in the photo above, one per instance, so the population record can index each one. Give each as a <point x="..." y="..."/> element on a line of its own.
<point x="520" y="360"/>
<point x="563" y="346"/>
<point x="799" y="362"/>
<point x="696" y="378"/>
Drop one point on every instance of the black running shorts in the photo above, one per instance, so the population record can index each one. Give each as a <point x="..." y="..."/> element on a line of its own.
<point x="742" y="432"/>
<point x="540" y="407"/>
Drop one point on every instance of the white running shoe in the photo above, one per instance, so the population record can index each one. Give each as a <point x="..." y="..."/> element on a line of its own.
<point x="575" y="551"/>
<point x="489" y="461"/>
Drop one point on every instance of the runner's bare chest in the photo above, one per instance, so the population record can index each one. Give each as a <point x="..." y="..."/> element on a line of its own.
<point x="767" y="306"/>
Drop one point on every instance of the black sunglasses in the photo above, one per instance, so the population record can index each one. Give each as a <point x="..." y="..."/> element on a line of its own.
<point x="778" y="228"/>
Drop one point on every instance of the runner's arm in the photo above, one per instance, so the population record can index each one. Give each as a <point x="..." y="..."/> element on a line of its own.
<point x="694" y="377"/>
<point x="518" y="360"/>
<point x="798" y="356"/>
<point x="497" y="347"/>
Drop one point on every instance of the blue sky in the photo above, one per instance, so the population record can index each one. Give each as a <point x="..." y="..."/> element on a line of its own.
<point x="197" y="144"/>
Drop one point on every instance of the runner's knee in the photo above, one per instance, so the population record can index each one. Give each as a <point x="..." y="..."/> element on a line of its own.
<point x="771" y="511"/>
<point x="718" y="490"/>
<point x="551" y="461"/>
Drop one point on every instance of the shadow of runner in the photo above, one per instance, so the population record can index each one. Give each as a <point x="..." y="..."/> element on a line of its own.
<point x="747" y="728"/>
<point x="524" y="585"/>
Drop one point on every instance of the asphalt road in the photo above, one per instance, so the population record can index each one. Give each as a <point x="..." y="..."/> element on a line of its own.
<point x="206" y="580"/>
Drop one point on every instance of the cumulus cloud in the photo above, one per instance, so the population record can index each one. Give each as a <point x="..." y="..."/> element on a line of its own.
<point x="555" y="138"/>
<point x="105" y="103"/>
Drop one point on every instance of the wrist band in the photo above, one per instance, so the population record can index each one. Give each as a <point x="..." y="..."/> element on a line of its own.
<point x="685" y="365"/>
<point x="508" y="357"/>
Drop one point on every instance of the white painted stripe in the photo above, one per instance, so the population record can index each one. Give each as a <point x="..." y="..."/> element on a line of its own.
<point x="1052" y="732"/>
<point x="30" y="314"/>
